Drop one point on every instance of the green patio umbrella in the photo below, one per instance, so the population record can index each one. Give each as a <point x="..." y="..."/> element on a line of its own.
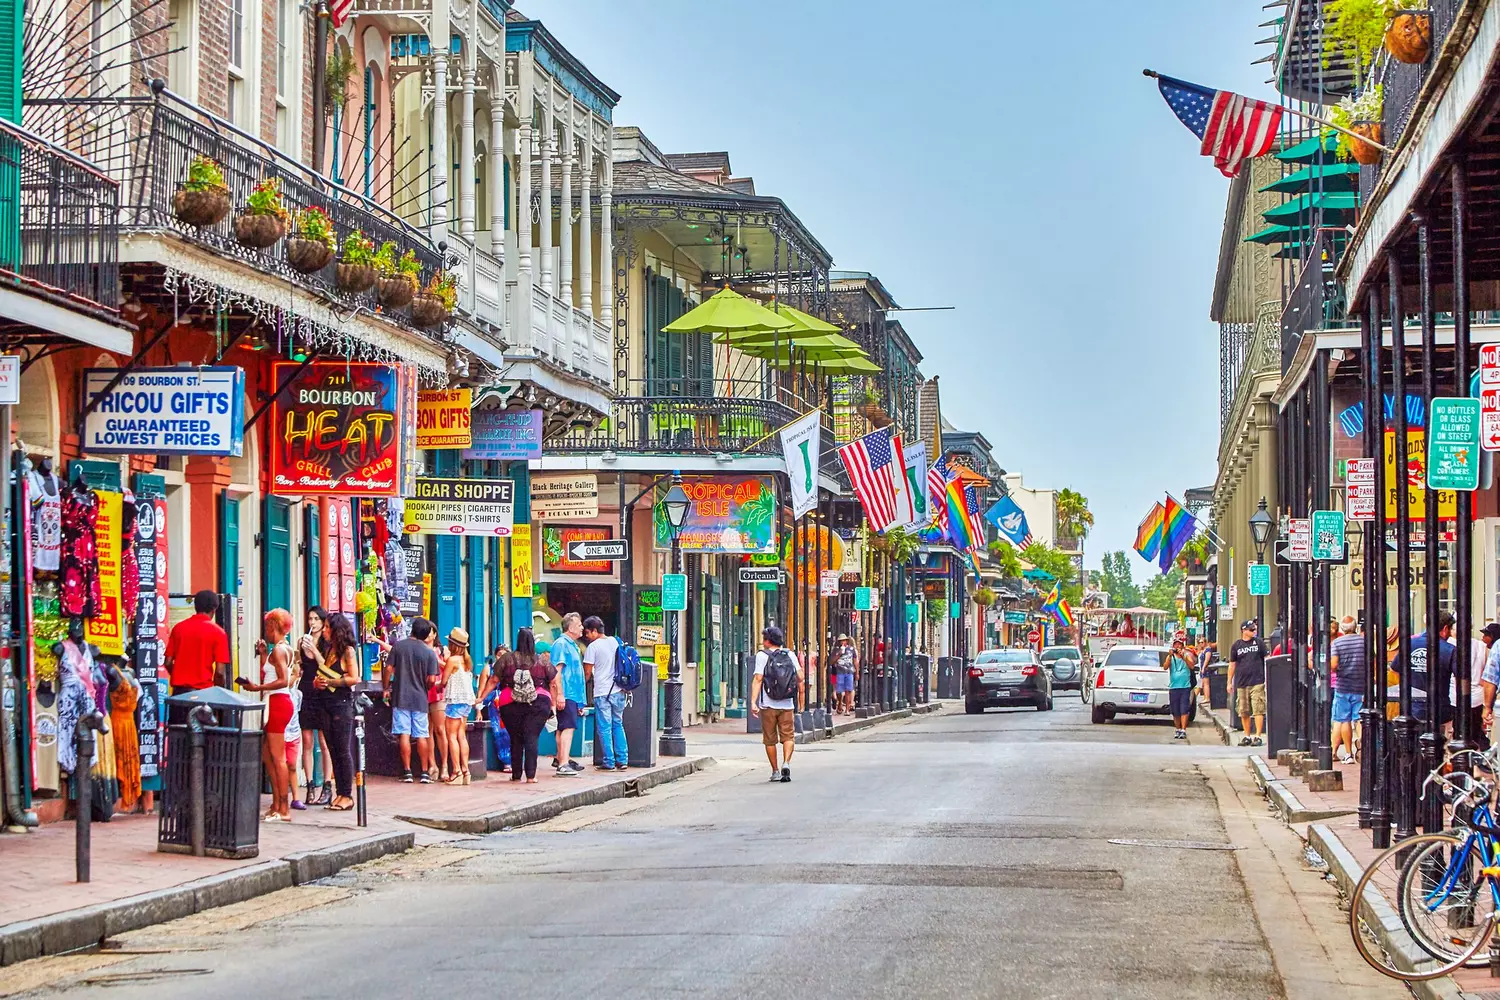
<point x="725" y="312"/>
<point x="762" y="343"/>
<point x="852" y="365"/>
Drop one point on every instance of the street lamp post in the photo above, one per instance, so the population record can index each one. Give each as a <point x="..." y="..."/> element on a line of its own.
<point x="672" y="742"/>
<point x="1260" y="532"/>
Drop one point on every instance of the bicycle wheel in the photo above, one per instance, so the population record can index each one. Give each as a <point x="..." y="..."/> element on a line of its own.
<point x="1443" y="898"/>
<point x="1375" y="903"/>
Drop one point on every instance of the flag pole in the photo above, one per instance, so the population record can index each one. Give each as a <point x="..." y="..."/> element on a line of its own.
<point x="1303" y="114"/>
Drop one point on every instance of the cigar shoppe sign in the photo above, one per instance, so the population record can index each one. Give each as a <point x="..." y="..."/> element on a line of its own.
<point x="338" y="429"/>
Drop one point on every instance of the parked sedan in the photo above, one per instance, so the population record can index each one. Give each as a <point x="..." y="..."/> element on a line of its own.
<point x="1065" y="663"/>
<point x="1007" y="677"/>
<point x="1132" y="680"/>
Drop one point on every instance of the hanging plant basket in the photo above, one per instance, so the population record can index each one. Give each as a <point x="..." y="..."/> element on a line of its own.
<point x="201" y="206"/>
<point x="259" y="230"/>
<point x="428" y="310"/>
<point x="354" y="277"/>
<point x="874" y="414"/>
<point x="1408" y="37"/>
<point x="1363" y="152"/>
<point x="307" y="256"/>
<point x="984" y="597"/>
<point x="396" y="291"/>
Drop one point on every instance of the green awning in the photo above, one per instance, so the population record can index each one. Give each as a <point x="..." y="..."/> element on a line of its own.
<point x="1342" y="203"/>
<point x="1328" y="176"/>
<point x="1280" y="234"/>
<point x="1309" y="150"/>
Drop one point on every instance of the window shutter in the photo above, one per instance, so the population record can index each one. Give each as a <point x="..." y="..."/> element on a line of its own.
<point x="477" y="631"/>
<point x="229" y="544"/>
<point x="312" y="553"/>
<point x="276" y="559"/>
<point x="10" y="60"/>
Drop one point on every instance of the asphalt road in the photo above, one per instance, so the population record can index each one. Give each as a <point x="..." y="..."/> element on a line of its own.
<point x="947" y="856"/>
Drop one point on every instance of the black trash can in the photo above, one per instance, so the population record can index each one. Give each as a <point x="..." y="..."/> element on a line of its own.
<point x="1218" y="686"/>
<point x="922" y="675"/>
<point x="1281" y="704"/>
<point x="231" y="775"/>
<point x="948" y="681"/>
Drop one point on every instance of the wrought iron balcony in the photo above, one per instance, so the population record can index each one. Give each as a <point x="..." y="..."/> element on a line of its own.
<point x="688" y="416"/>
<point x="149" y="143"/>
<point x="59" y="224"/>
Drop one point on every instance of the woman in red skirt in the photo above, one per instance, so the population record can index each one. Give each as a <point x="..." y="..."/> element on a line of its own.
<point x="276" y="680"/>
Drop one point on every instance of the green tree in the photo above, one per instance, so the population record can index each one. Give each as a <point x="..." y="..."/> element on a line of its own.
<point x="1005" y="554"/>
<point x="1074" y="519"/>
<point x="1161" y="592"/>
<point x="1059" y="565"/>
<point x="1116" y="581"/>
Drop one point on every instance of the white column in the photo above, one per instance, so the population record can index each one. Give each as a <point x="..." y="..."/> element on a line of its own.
<point x="466" y="152"/>
<point x="607" y="242"/>
<point x="523" y="205"/>
<point x="497" y="170"/>
<point x="586" y="242"/>
<point x="548" y="151"/>
<point x="565" y="223"/>
<point x="441" y="160"/>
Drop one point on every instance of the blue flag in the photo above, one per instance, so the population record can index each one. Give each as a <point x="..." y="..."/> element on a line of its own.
<point x="1010" y="521"/>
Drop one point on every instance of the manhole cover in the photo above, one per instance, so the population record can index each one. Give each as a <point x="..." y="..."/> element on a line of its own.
<point x="1178" y="845"/>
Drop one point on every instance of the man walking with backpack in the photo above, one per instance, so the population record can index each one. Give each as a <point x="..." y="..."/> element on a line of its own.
<point x="599" y="661"/>
<point x="777" y="692"/>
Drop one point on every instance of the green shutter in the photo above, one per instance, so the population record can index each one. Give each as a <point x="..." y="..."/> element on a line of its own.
<point x="312" y="552"/>
<point x="276" y="557"/>
<point x="477" y="631"/>
<point x="229" y="544"/>
<point x="520" y="607"/>
<point x="10" y="60"/>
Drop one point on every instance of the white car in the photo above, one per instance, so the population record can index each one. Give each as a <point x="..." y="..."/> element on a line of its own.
<point x="1132" y="680"/>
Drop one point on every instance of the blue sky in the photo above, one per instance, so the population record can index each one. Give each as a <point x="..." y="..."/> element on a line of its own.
<point x="1002" y="157"/>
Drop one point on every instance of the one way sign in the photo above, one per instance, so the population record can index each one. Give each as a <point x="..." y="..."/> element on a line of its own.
<point x="603" y="550"/>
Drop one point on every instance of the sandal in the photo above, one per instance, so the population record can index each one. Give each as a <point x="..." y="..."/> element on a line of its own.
<point x="452" y="778"/>
<point x="335" y="807"/>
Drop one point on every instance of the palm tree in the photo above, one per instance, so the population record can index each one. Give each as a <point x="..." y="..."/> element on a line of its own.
<point x="1074" y="519"/>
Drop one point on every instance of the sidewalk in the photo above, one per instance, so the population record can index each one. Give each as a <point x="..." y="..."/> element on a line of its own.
<point x="133" y="885"/>
<point x="1328" y="822"/>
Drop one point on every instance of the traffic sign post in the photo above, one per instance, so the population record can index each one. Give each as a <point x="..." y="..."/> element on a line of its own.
<point x="866" y="599"/>
<point x="599" y="550"/>
<point x="1033" y="636"/>
<point x="1359" y="483"/>
<point x="1260" y="579"/>
<point x="1299" y="539"/>
<point x="1453" y="444"/>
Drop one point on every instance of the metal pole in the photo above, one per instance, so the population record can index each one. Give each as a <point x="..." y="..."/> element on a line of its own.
<point x="319" y="82"/>
<point x="361" y="704"/>
<point x="672" y="742"/>
<point x="196" y="784"/>
<point x="1431" y="740"/>
<point x="1376" y="736"/>
<point x="1372" y="654"/>
<point x="1297" y="623"/>
<point x="1463" y="530"/>
<point x="1323" y="690"/>
<point x="83" y="809"/>
<point x="1405" y="726"/>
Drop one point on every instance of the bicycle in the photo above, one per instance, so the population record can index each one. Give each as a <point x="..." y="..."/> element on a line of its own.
<point x="1445" y="886"/>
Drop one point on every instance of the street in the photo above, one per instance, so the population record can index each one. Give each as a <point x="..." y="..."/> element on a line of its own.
<point x="945" y="856"/>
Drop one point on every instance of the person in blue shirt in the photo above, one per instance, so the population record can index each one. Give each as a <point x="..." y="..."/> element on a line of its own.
<point x="1180" y="666"/>
<point x="568" y="659"/>
<point x="1429" y="682"/>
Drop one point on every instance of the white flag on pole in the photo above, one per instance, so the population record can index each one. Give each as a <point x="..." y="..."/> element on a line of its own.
<point x="916" y="482"/>
<point x="906" y="508"/>
<point x="801" y="445"/>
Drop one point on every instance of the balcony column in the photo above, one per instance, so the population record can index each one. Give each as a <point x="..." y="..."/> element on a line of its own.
<point x="466" y="149"/>
<point x="565" y="217"/>
<point x="441" y="163"/>
<point x="498" y="193"/>
<point x="607" y="243"/>
<point x="548" y="151"/>
<point x="523" y="208"/>
<point x="586" y="241"/>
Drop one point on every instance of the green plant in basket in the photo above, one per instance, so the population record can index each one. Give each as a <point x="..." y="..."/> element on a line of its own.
<point x="408" y="264"/>
<point x="385" y="260"/>
<point x="314" y="224"/>
<point x="443" y="287"/>
<point x="204" y="174"/>
<point x="265" y="199"/>
<point x="358" y="251"/>
<point x="1354" y="111"/>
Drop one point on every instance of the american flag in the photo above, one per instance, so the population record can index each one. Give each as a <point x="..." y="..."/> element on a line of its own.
<point x="1233" y="128"/>
<point x="339" y="10"/>
<point x="868" y="462"/>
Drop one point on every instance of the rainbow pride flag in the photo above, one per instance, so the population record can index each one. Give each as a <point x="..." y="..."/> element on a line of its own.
<point x="1177" y="528"/>
<point x="1148" y="534"/>
<point x="1058" y="608"/>
<point x="960" y="523"/>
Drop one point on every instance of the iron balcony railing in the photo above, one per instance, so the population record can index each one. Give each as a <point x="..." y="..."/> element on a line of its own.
<point x="149" y="143"/>
<point x="1401" y="83"/>
<point x="736" y="418"/>
<point x="59" y="224"/>
<point x="1317" y="299"/>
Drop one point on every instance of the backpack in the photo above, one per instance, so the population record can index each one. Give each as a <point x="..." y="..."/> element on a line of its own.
<point x="522" y="687"/>
<point x="779" y="678"/>
<point x="627" y="668"/>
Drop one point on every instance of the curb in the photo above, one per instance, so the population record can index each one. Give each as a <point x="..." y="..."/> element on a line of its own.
<point x="538" y="812"/>
<point x="1284" y="799"/>
<point x="855" y="725"/>
<point x="1222" y="726"/>
<point x="90" y="926"/>
<point x="1379" y="916"/>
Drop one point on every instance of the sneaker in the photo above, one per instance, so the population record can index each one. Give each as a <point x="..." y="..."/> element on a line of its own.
<point x="1346" y="758"/>
<point x="1257" y="742"/>
<point x="555" y="763"/>
<point x="775" y="775"/>
<point x="575" y="767"/>
<point x="604" y="767"/>
<point x="622" y="767"/>
<point x="425" y="779"/>
<point x="1245" y="741"/>
<point x="786" y="774"/>
<point x="406" y="778"/>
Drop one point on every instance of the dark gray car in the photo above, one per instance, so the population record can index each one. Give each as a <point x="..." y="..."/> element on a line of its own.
<point x="1001" y="677"/>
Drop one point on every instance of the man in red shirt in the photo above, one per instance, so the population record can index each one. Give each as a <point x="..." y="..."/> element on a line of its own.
<point x="198" y="647"/>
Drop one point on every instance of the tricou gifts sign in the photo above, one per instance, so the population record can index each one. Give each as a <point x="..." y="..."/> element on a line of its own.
<point x="336" y="428"/>
<point x="165" y="411"/>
